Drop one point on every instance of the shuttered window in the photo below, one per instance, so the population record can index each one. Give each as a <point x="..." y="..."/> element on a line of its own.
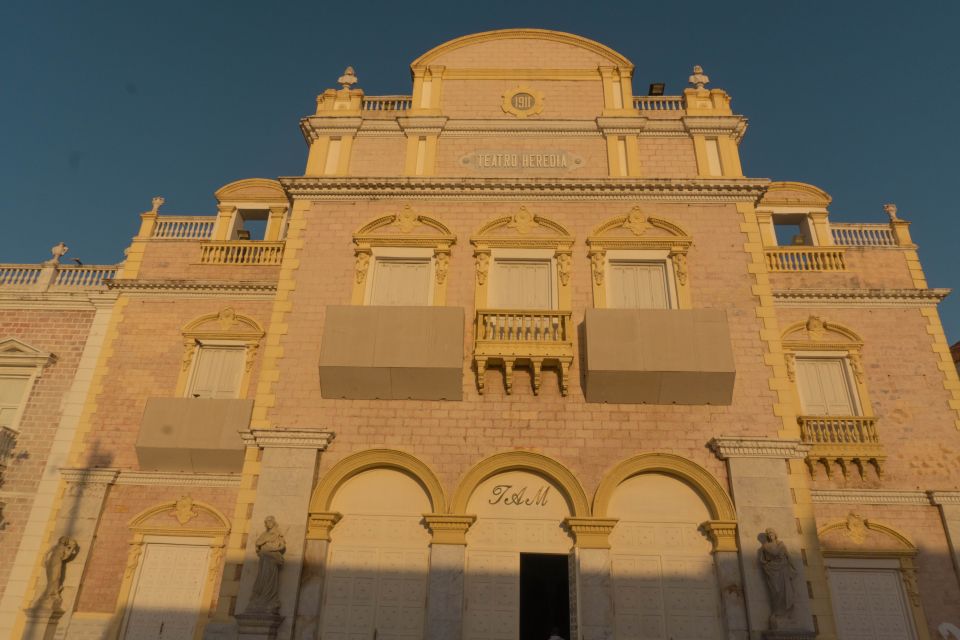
<point x="638" y="285"/>
<point x="401" y="282"/>
<point x="217" y="372"/>
<point x="12" y="390"/>
<point x="522" y="284"/>
<point x="824" y="387"/>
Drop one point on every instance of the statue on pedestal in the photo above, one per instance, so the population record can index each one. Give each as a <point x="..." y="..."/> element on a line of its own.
<point x="778" y="572"/>
<point x="55" y="563"/>
<point x="271" y="546"/>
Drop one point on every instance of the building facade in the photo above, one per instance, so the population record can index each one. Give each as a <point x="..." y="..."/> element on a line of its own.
<point x="520" y="353"/>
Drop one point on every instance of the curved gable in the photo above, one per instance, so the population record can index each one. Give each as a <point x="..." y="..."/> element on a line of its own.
<point x="527" y="48"/>
<point x="251" y="190"/>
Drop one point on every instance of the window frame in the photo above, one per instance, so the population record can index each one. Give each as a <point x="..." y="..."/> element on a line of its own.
<point x="506" y="255"/>
<point x="225" y="328"/>
<point x="379" y="255"/>
<point x="848" y="378"/>
<point x="639" y="256"/>
<point x="23" y="361"/>
<point x="213" y="344"/>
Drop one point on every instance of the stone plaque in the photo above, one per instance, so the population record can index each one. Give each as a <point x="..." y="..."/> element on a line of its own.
<point x="500" y="159"/>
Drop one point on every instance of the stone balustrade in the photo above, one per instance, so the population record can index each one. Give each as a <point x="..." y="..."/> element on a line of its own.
<point x="55" y="277"/>
<point x="658" y="103"/>
<point x="521" y="336"/>
<point x="805" y="259"/>
<point x="843" y="440"/>
<point x="387" y="103"/>
<point x="242" y="252"/>
<point x="183" y="228"/>
<point x="863" y="235"/>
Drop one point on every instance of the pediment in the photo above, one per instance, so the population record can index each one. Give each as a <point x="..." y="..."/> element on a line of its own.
<point x="405" y="227"/>
<point x="856" y="535"/>
<point x="183" y="514"/>
<point x="795" y="194"/>
<point x="637" y="230"/>
<point x="522" y="229"/>
<point x="815" y="331"/>
<point x="14" y="351"/>
<point x="252" y="190"/>
<point x="226" y="323"/>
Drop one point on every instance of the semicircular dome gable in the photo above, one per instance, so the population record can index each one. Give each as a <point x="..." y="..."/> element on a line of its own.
<point x="251" y="190"/>
<point x="817" y="330"/>
<point x="795" y="194"/>
<point x="856" y="535"/>
<point x="526" y="48"/>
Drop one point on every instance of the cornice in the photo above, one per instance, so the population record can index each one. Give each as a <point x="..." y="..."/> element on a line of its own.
<point x="313" y="127"/>
<point x="292" y="438"/>
<point x="716" y="125"/>
<point x="172" y="479"/>
<point x="859" y="297"/>
<point x="521" y="128"/>
<point x="869" y="496"/>
<point x="318" y="188"/>
<point x="259" y="289"/>
<point x="89" y="476"/>
<point x="951" y="498"/>
<point x="731" y="447"/>
<point x="60" y="300"/>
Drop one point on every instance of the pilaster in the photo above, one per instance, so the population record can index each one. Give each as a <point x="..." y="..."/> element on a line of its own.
<point x="949" y="504"/>
<point x="445" y="588"/>
<point x="595" y="583"/>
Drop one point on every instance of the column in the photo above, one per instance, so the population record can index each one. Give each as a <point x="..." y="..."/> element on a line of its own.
<point x="307" y="624"/>
<point x="595" y="614"/>
<point x="76" y="521"/>
<point x="448" y="554"/>
<point x="760" y="485"/>
<point x="287" y="469"/>
<point x="949" y="504"/>
<point x="726" y="558"/>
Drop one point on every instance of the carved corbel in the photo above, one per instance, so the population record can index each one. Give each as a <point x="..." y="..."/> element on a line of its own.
<point x="251" y="355"/>
<point x="133" y="559"/>
<point x="564" y="262"/>
<point x="680" y="266"/>
<point x="791" y="361"/>
<point x="598" y="266"/>
<point x="189" y="350"/>
<point x="442" y="259"/>
<point x="482" y="259"/>
<point x="362" y="265"/>
<point x="856" y="365"/>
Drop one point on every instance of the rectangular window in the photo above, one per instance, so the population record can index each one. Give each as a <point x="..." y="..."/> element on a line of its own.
<point x="714" y="168"/>
<point x="522" y="284"/>
<point x="12" y="390"/>
<point x="401" y="282"/>
<point x="825" y="388"/>
<point x="638" y="285"/>
<point x="217" y="372"/>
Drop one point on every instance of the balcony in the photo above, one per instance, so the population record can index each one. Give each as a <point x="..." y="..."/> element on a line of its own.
<point x="512" y="337"/>
<point x="844" y="440"/>
<point x="242" y="252"/>
<point x="659" y="356"/>
<point x="194" y="435"/>
<point x="392" y="353"/>
<point x="805" y="259"/>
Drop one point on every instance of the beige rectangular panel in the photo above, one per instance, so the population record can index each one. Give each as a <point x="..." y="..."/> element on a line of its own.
<point x="637" y="285"/>
<point x="11" y="395"/>
<point x="492" y="596"/>
<point x="401" y="282"/>
<point x="394" y="352"/>
<point x="166" y="596"/>
<point x="824" y="387"/>
<point x="659" y="356"/>
<point x="217" y="372"/>
<point x="193" y="434"/>
<point x="521" y="284"/>
<point x="869" y="604"/>
<point x="713" y="157"/>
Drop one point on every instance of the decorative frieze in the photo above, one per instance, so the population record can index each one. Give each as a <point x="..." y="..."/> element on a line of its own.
<point x="730" y="447"/>
<point x="868" y="496"/>
<point x="944" y="497"/>
<point x="288" y="438"/>
<point x="173" y="479"/>
<point x="251" y="289"/>
<point x="859" y="297"/>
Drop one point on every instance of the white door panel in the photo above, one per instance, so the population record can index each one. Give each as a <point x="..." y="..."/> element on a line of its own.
<point x="167" y="596"/>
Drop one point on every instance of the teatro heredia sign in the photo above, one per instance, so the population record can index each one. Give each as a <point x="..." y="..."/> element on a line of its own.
<point x="500" y="159"/>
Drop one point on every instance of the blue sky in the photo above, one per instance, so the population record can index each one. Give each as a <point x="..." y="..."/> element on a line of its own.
<point x="106" y="104"/>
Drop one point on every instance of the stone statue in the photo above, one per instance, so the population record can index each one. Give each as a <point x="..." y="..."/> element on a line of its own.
<point x="699" y="79"/>
<point x="271" y="546"/>
<point x="157" y="202"/>
<point x="58" y="251"/>
<point x="778" y="572"/>
<point x="891" y="211"/>
<point x="55" y="563"/>
<point x="348" y="79"/>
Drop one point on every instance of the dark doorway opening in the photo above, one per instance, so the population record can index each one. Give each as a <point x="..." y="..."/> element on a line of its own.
<point x="544" y="596"/>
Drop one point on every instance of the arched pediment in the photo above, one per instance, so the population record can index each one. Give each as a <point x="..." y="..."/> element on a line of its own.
<point x="636" y="230"/>
<point x="405" y="228"/>
<point x="523" y="229"/>
<point x="523" y="461"/>
<point x="794" y="194"/>
<point x="522" y="48"/>
<point x="252" y="190"/>
<point x="184" y="515"/>
<point x="856" y="535"/>
<point x="225" y="324"/>
<point x="815" y="332"/>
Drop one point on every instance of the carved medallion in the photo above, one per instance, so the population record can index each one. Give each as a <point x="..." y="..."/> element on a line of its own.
<point x="856" y="528"/>
<point x="522" y="102"/>
<point x="636" y="222"/>
<point x="183" y="510"/>
<point x="523" y="221"/>
<point x="406" y="220"/>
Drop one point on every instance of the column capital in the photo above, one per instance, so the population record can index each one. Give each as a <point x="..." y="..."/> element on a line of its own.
<point x="591" y="533"/>
<point x="449" y="529"/>
<point x="288" y="438"/>
<point x="319" y="524"/>
<point x="729" y="447"/>
<point x="722" y="533"/>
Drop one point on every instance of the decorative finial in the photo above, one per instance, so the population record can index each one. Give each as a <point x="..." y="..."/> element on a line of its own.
<point x="157" y="203"/>
<point x="699" y="79"/>
<point x="891" y="210"/>
<point x="348" y="78"/>
<point x="57" y="251"/>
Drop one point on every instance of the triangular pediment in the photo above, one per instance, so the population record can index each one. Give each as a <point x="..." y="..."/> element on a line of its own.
<point x="17" y="352"/>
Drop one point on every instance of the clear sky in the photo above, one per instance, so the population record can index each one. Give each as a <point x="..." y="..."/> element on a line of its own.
<point x="106" y="104"/>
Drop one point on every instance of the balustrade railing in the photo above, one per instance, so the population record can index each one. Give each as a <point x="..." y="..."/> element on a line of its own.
<point x="19" y="275"/>
<point x="184" y="227"/>
<point x="511" y="326"/>
<point x="387" y="103"/>
<point x="863" y="235"/>
<point x="242" y="253"/>
<point x="83" y="277"/>
<point x="838" y="430"/>
<point x="805" y="259"/>
<point x="658" y="103"/>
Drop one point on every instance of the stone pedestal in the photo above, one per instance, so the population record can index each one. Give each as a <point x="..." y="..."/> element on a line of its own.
<point x="258" y="626"/>
<point x="760" y="485"/>
<point x="42" y="622"/>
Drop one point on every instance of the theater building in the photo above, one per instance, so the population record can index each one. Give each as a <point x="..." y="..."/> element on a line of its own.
<point x="521" y="353"/>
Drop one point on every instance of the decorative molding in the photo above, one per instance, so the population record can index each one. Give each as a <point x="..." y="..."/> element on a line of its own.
<point x="448" y="529"/>
<point x="288" y="438"/>
<point x="17" y="353"/>
<point x="726" y="447"/>
<point x="591" y="533"/>
<point x="859" y="297"/>
<point x="89" y="476"/>
<point x="196" y="288"/>
<point x="320" y="524"/>
<point x="868" y="496"/>
<point x="722" y="533"/>
<point x="526" y="93"/>
<point x="174" y="479"/>
<point x="944" y="497"/>
<point x="326" y="188"/>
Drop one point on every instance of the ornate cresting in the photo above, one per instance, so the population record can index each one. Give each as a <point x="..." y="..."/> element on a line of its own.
<point x="536" y="337"/>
